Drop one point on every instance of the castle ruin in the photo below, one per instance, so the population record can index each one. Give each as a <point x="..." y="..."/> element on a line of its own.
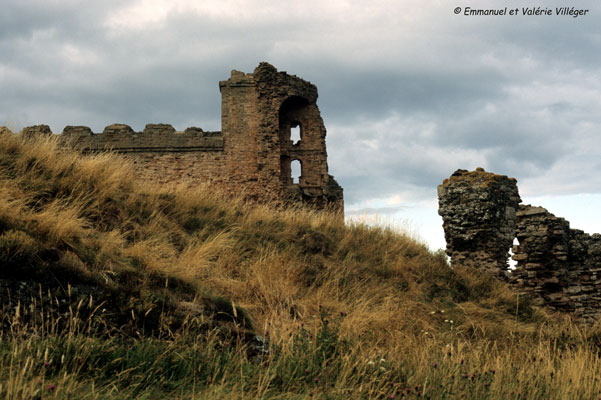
<point x="558" y="266"/>
<point x="253" y="153"/>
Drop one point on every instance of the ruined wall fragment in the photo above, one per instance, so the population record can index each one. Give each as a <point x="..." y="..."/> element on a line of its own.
<point x="478" y="210"/>
<point x="542" y="255"/>
<point x="559" y="265"/>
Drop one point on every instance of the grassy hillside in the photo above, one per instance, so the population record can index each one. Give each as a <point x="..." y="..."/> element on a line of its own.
<point x="111" y="289"/>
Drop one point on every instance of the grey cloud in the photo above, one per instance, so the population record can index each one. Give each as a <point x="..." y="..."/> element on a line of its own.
<point x="513" y="141"/>
<point x="134" y="77"/>
<point x="373" y="94"/>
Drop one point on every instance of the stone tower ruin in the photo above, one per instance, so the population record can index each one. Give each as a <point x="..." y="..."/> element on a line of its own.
<point x="251" y="155"/>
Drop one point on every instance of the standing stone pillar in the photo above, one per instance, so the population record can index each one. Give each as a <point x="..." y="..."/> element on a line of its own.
<point x="478" y="210"/>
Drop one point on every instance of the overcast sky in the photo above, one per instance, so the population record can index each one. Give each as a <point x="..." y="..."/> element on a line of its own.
<point x="409" y="90"/>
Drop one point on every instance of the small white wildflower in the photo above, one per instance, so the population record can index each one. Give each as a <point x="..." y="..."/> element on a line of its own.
<point x="370" y="363"/>
<point x="432" y="312"/>
<point x="451" y="321"/>
<point x="442" y="311"/>
<point x="382" y="360"/>
<point x="446" y="320"/>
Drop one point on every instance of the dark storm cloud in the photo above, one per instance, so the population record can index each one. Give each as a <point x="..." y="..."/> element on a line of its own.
<point x="374" y="93"/>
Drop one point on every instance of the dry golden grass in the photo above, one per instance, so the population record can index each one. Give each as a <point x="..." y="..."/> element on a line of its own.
<point x="385" y="292"/>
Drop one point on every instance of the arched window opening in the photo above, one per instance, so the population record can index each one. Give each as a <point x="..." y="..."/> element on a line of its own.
<point x="295" y="132"/>
<point x="296" y="170"/>
<point x="292" y="111"/>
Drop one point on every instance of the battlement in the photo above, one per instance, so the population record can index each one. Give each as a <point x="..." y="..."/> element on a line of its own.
<point x="155" y="137"/>
<point x="122" y="138"/>
<point x="251" y="154"/>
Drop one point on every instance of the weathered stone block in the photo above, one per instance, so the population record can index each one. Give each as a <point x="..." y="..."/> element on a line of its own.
<point x="117" y="128"/>
<point x="158" y="129"/>
<point x="559" y="265"/>
<point x="36" y="130"/>
<point x="74" y="131"/>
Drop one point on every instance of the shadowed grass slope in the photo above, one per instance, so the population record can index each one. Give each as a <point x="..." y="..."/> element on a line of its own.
<point x="101" y="268"/>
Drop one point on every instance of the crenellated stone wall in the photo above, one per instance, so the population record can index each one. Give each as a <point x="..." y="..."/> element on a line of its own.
<point x="251" y="155"/>
<point x="560" y="267"/>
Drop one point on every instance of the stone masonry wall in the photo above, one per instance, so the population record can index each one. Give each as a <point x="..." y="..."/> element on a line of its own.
<point x="250" y="156"/>
<point x="158" y="153"/>
<point x="560" y="267"/>
<point x="478" y="209"/>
